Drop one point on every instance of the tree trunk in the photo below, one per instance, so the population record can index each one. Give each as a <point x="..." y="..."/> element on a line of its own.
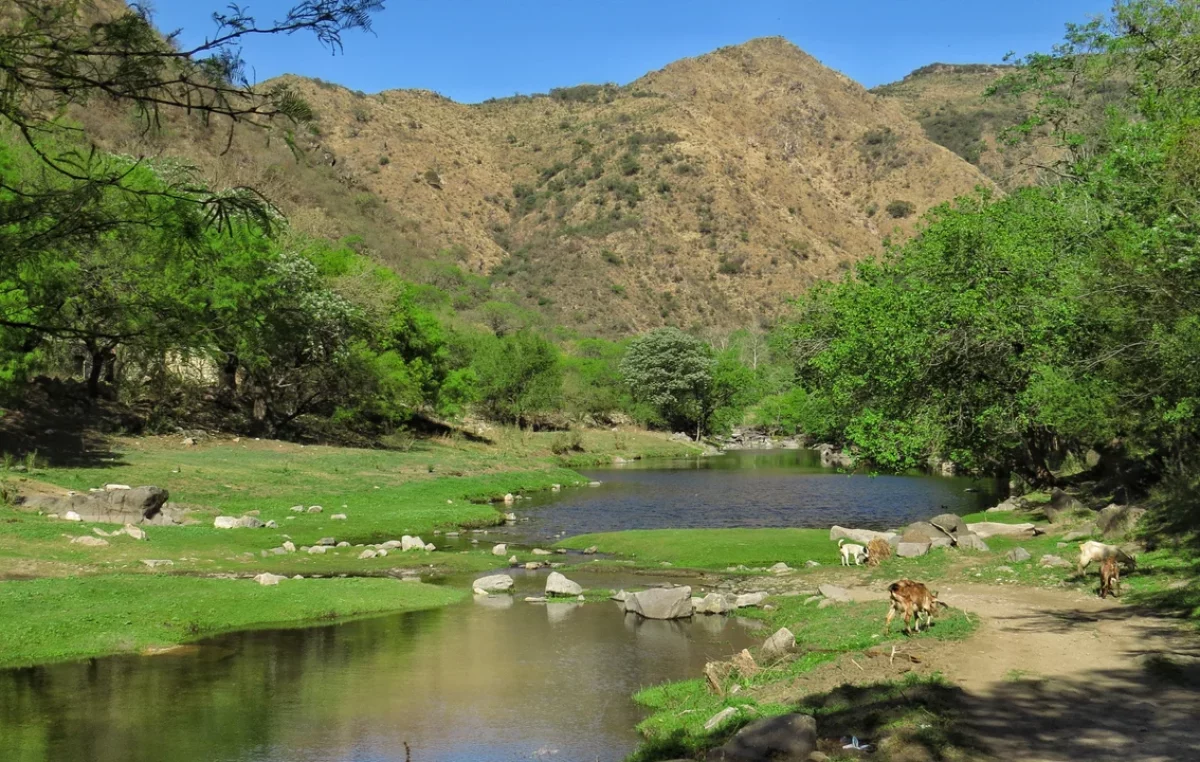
<point x="229" y="370"/>
<point x="95" y="373"/>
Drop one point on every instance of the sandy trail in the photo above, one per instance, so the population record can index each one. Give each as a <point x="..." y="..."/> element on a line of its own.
<point x="1061" y="675"/>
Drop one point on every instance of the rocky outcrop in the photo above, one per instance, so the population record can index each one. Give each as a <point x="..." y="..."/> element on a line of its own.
<point x="1062" y="506"/>
<point x="1115" y="520"/>
<point x="661" y="603"/>
<point x="140" y="505"/>
<point x="971" y="541"/>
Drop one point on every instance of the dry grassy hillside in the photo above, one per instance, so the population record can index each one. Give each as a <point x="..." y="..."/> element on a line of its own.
<point x="705" y="193"/>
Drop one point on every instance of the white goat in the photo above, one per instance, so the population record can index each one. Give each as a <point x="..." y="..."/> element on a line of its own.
<point x="1098" y="551"/>
<point x="850" y="550"/>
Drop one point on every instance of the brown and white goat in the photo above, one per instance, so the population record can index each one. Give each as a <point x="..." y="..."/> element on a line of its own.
<point x="911" y="598"/>
<point x="1110" y="577"/>
<point x="1098" y="551"/>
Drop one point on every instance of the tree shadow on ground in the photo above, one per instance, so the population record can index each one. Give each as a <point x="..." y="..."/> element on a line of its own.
<point x="59" y="426"/>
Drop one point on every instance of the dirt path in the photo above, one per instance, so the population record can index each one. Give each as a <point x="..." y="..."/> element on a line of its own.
<point x="1060" y="675"/>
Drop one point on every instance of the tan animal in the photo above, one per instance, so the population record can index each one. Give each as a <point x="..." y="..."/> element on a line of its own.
<point x="1110" y="577"/>
<point x="878" y="551"/>
<point x="911" y="598"/>
<point x="1098" y="551"/>
<point x="849" y="550"/>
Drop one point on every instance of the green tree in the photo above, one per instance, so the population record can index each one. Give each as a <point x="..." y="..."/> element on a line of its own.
<point x="519" y="376"/>
<point x="673" y="372"/>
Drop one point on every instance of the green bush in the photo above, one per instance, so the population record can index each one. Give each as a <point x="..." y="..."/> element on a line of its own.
<point x="901" y="209"/>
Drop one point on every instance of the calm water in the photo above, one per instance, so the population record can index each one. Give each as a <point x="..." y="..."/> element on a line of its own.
<point x="490" y="680"/>
<point x="777" y="488"/>
<point x="486" y="681"/>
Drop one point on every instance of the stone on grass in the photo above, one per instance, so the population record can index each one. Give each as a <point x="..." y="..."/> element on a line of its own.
<point x="791" y="737"/>
<point x="834" y="593"/>
<point x="317" y="550"/>
<point x="135" y="532"/>
<point x="381" y="553"/>
<point x="272" y="524"/>
<point x="949" y="523"/>
<point x="368" y="553"/>
<point x="535" y="599"/>
<point x="72" y="516"/>
<point x="297" y="509"/>
<point x="749" y="599"/>
<point x="391" y="544"/>
<point x="532" y="565"/>
<point x="778" y="644"/>
<point x="826" y="603"/>
<point x="494" y="583"/>
<point x="1005" y="569"/>
<point x="780" y="568"/>
<point x="1119" y="519"/>
<point x="1017" y="555"/>
<point x="499" y="550"/>
<point x="266" y="578"/>
<point x="590" y="550"/>
<point x="430" y="547"/>
<point x="912" y="549"/>
<point x="289" y="546"/>
<point x="540" y="552"/>
<point x="154" y="563"/>
<point x="343" y="544"/>
<point x="660" y="603"/>
<point x="557" y="584"/>
<point x="243" y="522"/>
<point x="744" y="663"/>
<point x="90" y="541"/>
<point x="719" y="718"/>
<point x="115" y="487"/>
<point x="509" y="499"/>
<point x="620" y="595"/>
<point x="315" y="509"/>
<point x="971" y="541"/>
<point x="328" y="542"/>
<point x="1062" y="506"/>
<point x="338" y="517"/>
<point x="810" y="563"/>
<point x="1053" y="561"/>
<point x="986" y="529"/>
<point x="1082" y="533"/>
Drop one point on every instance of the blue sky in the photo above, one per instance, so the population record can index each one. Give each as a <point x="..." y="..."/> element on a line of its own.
<point x="473" y="50"/>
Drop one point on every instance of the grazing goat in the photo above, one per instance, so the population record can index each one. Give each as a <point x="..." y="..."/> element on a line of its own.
<point x="1110" y="577"/>
<point x="911" y="598"/>
<point x="878" y="551"/>
<point x="1098" y="551"/>
<point x="850" y="550"/>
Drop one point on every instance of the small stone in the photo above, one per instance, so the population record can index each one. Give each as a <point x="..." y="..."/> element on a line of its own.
<point x="367" y="554"/>
<point x="780" y="568"/>
<point x="318" y="550"/>
<point x="315" y="509"/>
<point x="497" y="583"/>
<point x="540" y="552"/>
<point x="620" y="595"/>
<point x="509" y="499"/>
<point x="116" y="487"/>
<point x="90" y="541"/>
<point x="154" y="563"/>
<point x="289" y="546"/>
<point x="749" y="599"/>
<point x="720" y="717"/>
<point x="593" y="484"/>
<point x="744" y="663"/>
<point x="189" y="442"/>
<point x="430" y="547"/>
<point x="510" y="517"/>
<point x="810" y="563"/>
<point x="266" y="578"/>
<point x="1049" y="560"/>
<point x="590" y="550"/>
<point x="297" y="509"/>
<point x="343" y="544"/>
<point x="1004" y="569"/>
<point x="834" y="593"/>
<point x="382" y="552"/>
<point x="72" y="516"/>
<point x="826" y="603"/>
<point x="912" y="549"/>
<point x="328" y="542"/>
<point x="272" y="524"/>
<point x="1017" y="555"/>
<point x="532" y="565"/>
<point x="535" y="599"/>
<point x="499" y="550"/>
<point x="338" y="517"/>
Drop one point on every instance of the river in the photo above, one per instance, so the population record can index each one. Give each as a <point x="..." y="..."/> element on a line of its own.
<point x="488" y="680"/>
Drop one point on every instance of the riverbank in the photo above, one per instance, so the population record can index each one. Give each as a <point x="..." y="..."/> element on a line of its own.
<point x="432" y="489"/>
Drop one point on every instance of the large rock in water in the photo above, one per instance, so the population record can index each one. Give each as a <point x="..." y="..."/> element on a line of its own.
<point x="557" y="584"/>
<point x="714" y="603"/>
<point x="861" y="536"/>
<point x="786" y="738"/>
<point x="495" y="583"/>
<point x="986" y="529"/>
<point x="660" y="603"/>
<point x="125" y="506"/>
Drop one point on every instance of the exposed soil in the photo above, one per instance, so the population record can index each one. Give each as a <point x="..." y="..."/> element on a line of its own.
<point x="1055" y="675"/>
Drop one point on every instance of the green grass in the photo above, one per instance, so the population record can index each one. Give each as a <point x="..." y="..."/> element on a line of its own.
<point x="49" y="620"/>
<point x="713" y="548"/>
<point x="680" y="709"/>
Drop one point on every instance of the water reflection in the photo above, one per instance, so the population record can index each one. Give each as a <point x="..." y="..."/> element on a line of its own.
<point x="778" y="488"/>
<point x="485" y="681"/>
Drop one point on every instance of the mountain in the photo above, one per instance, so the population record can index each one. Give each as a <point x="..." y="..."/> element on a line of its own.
<point x="704" y="194"/>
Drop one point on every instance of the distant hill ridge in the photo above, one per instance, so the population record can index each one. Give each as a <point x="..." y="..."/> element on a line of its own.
<point x="705" y="194"/>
